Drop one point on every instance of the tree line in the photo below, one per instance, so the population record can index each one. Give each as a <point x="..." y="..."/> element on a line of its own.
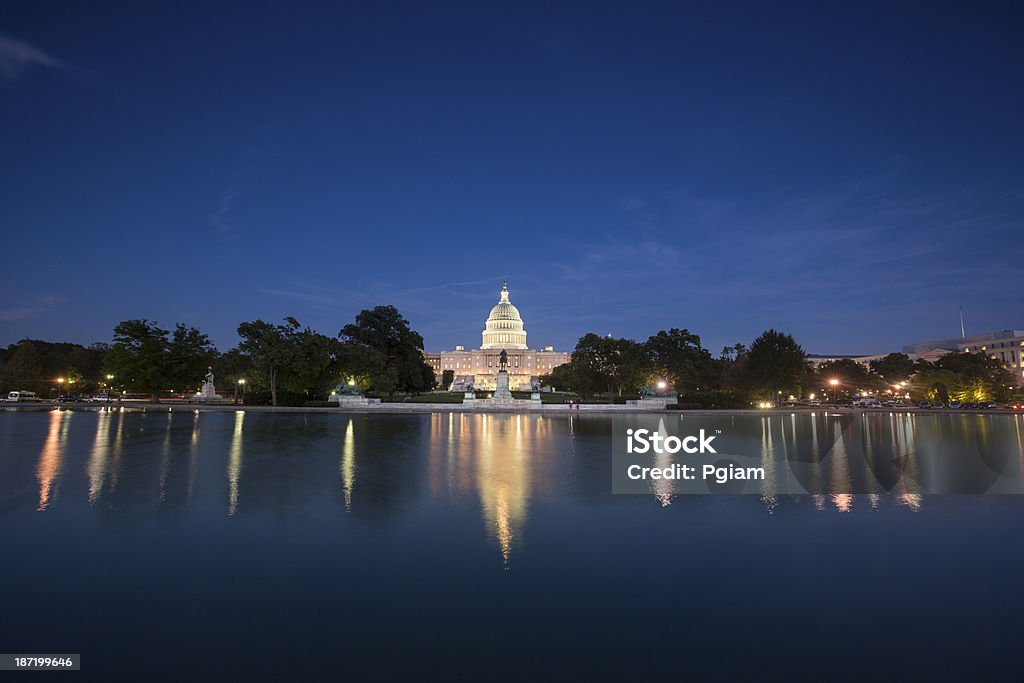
<point x="774" y="368"/>
<point x="282" y="363"/>
<point x="287" y="363"/>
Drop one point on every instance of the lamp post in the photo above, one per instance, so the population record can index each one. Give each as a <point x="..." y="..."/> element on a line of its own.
<point x="835" y="384"/>
<point x="60" y="387"/>
<point x="241" y="389"/>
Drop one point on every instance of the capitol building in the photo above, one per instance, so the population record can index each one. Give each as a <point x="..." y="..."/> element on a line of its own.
<point x="503" y="331"/>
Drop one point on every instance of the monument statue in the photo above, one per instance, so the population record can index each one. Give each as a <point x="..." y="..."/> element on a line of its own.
<point x="208" y="392"/>
<point x="348" y="394"/>
<point x="502" y="395"/>
<point x="347" y="389"/>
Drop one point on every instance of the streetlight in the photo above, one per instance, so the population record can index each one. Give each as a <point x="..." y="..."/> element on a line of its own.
<point x="662" y="385"/>
<point x="834" y="383"/>
<point x="241" y="386"/>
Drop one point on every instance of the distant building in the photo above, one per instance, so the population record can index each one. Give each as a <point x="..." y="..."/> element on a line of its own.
<point x="504" y="330"/>
<point x="958" y="343"/>
<point x="1006" y="346"/>
<point x="817" y="359"/>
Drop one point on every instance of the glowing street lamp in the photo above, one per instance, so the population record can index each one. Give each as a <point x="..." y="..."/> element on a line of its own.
<point x="835" y="384"/>
<point x="662" y="385"/>
<point x="241" y="389"/>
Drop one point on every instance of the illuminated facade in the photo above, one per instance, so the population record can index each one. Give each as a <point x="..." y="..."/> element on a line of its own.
<point x="504" y="330"/>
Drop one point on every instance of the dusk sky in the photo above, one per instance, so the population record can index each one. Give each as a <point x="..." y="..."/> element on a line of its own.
<point x="849" y="173"/>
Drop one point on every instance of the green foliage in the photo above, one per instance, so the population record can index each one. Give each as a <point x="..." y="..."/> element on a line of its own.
<point x="970" y="377"/>
<point x="774" y="363"/>
<point x="678" y="358"/>
<point x="384" y="354"/>
<point x="447" y="377"/>
<point x="604" y="364"/>
<point x="287" y="357"/>
<point x="34" y="365"/>
<point x="894" y="368"/>
<point x="148" y="359"/>
<point x="852" y="376"/>
<point x="24" y="369"/>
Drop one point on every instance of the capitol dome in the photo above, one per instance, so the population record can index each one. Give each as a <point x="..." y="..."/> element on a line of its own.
<point x="504" y="327"/>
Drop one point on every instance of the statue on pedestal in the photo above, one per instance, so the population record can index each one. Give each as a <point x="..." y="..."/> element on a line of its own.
<point x="208" y="392"/>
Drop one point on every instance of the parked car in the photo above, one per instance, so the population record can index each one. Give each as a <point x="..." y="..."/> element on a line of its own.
<point x="954" y="404"/>
<point x="70" y="399"/>
<point x="100" y="398"/>
<point x="969" y="406"/>
<point x="867" y="402"/>
<point x="814" y="402"/>
<point x="23" y="397"/>
<point x="938" y="405"/>
<point x="924" y="404"/>
<point x="987" y="405"/>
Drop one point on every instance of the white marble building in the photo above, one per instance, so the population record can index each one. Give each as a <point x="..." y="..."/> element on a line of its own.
<point x="504" y="330"/>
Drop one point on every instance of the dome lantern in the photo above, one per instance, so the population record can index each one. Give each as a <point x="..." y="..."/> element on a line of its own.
<point x="504" y="327"/>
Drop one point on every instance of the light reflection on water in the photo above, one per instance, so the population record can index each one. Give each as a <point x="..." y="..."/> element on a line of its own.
<point x="478" y="541"/>
<point x="503" y="461"/>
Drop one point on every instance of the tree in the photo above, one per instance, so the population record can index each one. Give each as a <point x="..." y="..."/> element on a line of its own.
<point x="733" y="353"/>
<point x="385" y="352"/>
<point x="24" y="370"/>
<point x="605" y="363"/>
<point x="894" y="368"/>
<point x="850" y="373"/>
<point x="138" y="356"/>
<point x="978" y="377"/>
<point x="627" y="365"/>
<point x="447" y="377"/>
<point x="680" y="360"/>
<point x="269" y="349"/>
<point x="145" y="358"/>
<point x="564" y="378"/>
<point x="34" y="364"/>
<point x="775" y="362"/>
<point x="189" y="354"/>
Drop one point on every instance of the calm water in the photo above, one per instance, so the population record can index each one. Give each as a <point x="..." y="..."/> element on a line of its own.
<point x="298" y="547"/>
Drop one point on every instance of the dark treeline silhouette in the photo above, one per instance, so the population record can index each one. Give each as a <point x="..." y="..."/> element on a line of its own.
<point x="286" y="363"/>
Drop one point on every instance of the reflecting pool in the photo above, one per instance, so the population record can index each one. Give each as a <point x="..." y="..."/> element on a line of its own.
<point x="273" y="546"/>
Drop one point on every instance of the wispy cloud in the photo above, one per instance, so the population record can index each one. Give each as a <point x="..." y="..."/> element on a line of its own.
<point x="218" y="219"/>
<point x="17" y="56"/>
<point x="31" y="308"/>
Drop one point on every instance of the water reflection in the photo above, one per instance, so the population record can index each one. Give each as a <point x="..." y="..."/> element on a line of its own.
<point x="348" y="464"/>
<point x="501" y="462"/>
<point x="193" y="458"/>
<point x="235" y="463"/>
<point x="99" y="457"/>
<point x="768" y="484"/>
<point x="48" y="469"/>
<point x="503" y="478"/>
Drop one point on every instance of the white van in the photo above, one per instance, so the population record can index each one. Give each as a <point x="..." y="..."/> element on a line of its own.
<point x="21" y="396"/>
<point x="867" y="402"/>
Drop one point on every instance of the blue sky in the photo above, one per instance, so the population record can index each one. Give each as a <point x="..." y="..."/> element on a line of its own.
<point x="849" y="173"/>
